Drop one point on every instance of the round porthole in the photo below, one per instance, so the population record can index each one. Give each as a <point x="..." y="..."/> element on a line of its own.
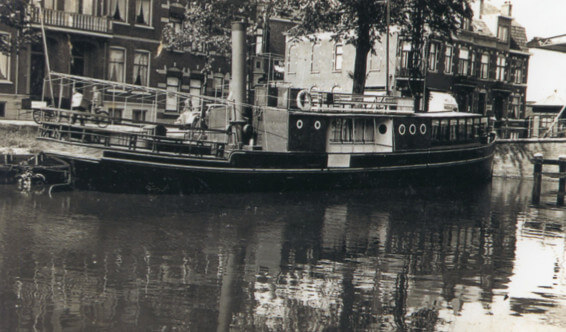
<point x="412" y="129"/>
<point x="299" y="124"/>
<point x="317" y="125"/>
<point x="402" y="129"/>
<point x="422" y="129"/>
<point x="382" y="129"/>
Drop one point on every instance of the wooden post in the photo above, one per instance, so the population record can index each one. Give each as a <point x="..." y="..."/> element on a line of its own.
<point x="537" y="177"/>
<point x="561" y="181"/>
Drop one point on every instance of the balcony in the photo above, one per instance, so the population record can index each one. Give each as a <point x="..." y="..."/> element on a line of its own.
<point x="74" y="21"/>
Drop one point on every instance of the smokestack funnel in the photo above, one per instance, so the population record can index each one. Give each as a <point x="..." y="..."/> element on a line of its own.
<point x="238" y="83"/>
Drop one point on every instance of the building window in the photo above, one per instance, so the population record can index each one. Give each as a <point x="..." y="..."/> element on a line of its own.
<point x="195" y="87"/>
<point x="2" y="109"/>
<point x="315" y="58"/>
<point x="218" y="85"/>
<point x="291" y="64"/>
<point x="405" y="53"/>
<point x="117" y="65"/>
<point x="143" y="12"/>
<point x="139" y="115"/>
<point x="518" y="74"/>
<point x="49" y="4"/>
<point x="171" y="104"/>
<point x="516" y="107"/>
<point x="463" y="61"/>
<point x="500" y="69"/>
<point x="484" y="67"/>
<point x="141" y="68"/>
<point x="473" y="63"/>
<point x="448" y="54"/>
<point x="176" y="24"/>
<point x="503" y="33"/>
<point x="117" y="10"/>
<point x="433" y="57"/>
<point x="338" y="57"/>
<point x="4" y="59"/>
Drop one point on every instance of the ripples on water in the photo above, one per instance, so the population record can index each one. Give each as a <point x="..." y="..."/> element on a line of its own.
<point x="415" y="259"/>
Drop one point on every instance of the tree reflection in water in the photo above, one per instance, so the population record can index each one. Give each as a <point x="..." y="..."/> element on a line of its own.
<point x="424" y="259"/>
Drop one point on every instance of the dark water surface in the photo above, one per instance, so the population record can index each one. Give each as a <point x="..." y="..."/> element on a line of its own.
<point x="431" y="259"/>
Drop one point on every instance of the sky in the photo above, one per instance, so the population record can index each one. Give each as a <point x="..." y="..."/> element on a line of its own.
<point x="542" y="18"/>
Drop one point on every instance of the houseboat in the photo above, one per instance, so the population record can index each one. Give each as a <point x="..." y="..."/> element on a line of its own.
<point x="288" y="139"/>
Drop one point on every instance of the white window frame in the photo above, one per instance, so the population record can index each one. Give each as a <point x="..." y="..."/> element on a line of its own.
<point x="463" y="61"/>
<point x="338" y="57"/>
<point x="137" y="66"/>
<point x="121" y="79"/>
<point x="291" y="66"/>
<point x="500" y="69"/>
<point x="5" y="62"/>
<point x="195" y="90"/>
<point x="484" y="66"/>
<point x="123" y="8"/>
<point x="172" y="101"/>
<point x="503" y="33"/>
<point x="433" y="56"/>
<point x="149" y="15"/>
<point x="315" y="54"/>
<point x="448" y="59"/>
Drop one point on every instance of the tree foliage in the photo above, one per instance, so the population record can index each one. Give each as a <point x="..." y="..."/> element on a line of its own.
<point x="16" y="16"/>
<point x="360" y="23"/>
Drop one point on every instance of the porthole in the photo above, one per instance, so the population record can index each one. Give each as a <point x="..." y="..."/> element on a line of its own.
<point x="317" y="125"/>
<point x="412" y="129"/>
<point x="299" y="124"/>
<point x="422" y="129"/>
<point x="382" y="129"/>
<point x="402" y="129"/>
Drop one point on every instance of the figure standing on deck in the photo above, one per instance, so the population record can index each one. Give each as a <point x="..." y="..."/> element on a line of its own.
<point x="77" y="105"/>
<point x="190" y="116"/>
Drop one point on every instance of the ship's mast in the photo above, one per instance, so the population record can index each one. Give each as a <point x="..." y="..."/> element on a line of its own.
<point x="46" y="52"/>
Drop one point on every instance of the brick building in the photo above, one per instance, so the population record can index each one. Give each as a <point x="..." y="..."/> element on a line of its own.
<point x="486" y="72"/>
<point x="118" y="40"/>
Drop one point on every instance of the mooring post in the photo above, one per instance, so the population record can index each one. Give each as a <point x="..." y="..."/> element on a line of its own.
<point x="561" y="181"/>
<point x="537" y="177"/>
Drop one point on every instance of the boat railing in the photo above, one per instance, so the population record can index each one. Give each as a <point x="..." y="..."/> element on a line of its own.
<point x="342" y="102"/>
<point x="141" y="136"/>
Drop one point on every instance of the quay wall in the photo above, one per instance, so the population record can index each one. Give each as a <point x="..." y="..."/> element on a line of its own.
<point x="513" y="157"/>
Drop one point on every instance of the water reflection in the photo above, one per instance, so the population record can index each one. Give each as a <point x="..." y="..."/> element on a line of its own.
<point x="367" y="260"/>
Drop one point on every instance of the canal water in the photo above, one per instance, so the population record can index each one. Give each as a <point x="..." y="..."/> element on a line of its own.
<point x="460" y="259"/>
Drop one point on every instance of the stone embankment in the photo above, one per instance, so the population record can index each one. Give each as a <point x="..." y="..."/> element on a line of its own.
<point x="513" y="158"/>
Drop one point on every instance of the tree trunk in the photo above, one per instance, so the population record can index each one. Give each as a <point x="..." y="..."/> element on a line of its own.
<point x="360" y="63"/>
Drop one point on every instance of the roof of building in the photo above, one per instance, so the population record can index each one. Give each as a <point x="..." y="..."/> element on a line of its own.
<point x="555" y="99"/>
<point x="480" y="27"/>
<point x="518" y="36"/>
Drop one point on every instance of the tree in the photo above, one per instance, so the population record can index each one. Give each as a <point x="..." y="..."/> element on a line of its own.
<point x="17" y="16"/>
<point x="361" y="23"/>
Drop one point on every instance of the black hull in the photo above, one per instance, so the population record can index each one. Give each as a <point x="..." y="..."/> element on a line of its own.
<point x="124" y="172"/>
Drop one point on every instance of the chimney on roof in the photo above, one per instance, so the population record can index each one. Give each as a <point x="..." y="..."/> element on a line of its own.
<point x="507" y="9"/>
<point x="481" y="8"/>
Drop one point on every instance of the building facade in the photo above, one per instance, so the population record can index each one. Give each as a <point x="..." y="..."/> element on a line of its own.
<point x="485" y="72"/>
<point x="116" y="40"/>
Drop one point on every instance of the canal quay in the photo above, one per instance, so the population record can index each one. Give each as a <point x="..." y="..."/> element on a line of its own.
<point x="432" y="258"/>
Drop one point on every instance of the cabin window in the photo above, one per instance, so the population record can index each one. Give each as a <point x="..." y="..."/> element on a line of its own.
<point x="463" y="61"/>
<point x="448" y="54"/>
<point x="484" y="66"/>
<point x="4" y="59"/>
<point x="141" y="68"/>
<point x="444" y="131"/>
<point x="476" y="128"/>
<point x="347" y="127"/>
<point x="115" y="114"/>
<point x="469" y="129"/>
<point x="139" y="115"/>
<point x="2" y="109"/>
<point x="338" y="57"/>
<point x="462" y="129"/>
<point x="171" y="104"/>
<point x="483" y="126"/>
<point x="433" y="57"/>
<point x="359" y="130"/>
<point x="453" y="130"/>
<point x="369" y="131"/>
<point x="435" y="133"/>
<point x="143" y="12"/>
<point x="116" y="68"/>
<point x="117" y="10"/>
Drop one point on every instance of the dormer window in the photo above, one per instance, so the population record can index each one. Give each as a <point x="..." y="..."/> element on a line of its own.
<point x="466" y="24"/>
<point x="503" y="33"/>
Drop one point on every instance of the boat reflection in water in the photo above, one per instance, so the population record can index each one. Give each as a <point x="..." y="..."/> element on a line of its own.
<point x="363" y="260"/>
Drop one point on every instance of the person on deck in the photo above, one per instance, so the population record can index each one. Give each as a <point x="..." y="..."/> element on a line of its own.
<point x="189" y="118"/>
<point x="77" y="105"/>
